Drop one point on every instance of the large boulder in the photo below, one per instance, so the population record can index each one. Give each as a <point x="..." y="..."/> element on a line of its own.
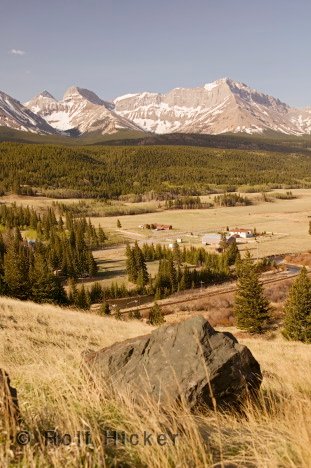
<point x="9" y="409"/>
<point x="187" y="361"/>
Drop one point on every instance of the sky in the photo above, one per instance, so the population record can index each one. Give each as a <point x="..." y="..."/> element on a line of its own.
<point x="115" y="47"/>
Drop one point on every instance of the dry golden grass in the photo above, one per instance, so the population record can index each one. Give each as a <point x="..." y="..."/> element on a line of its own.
<point x="300" y="259"/>
<point x="40" y="346"/>
<point x="287" y="219"/>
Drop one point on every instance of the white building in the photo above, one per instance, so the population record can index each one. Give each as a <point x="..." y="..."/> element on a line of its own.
<point x="244" y="233"/>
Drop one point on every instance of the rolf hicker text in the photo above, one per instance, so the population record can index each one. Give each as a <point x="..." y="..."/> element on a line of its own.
<point x="108" y="438"/>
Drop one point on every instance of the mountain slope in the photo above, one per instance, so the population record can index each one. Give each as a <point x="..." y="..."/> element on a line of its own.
<point x="79" y="109"/>
<point x="224" y="106"/>
<point x="220" y="107"/>
<point x="16" y="116"/>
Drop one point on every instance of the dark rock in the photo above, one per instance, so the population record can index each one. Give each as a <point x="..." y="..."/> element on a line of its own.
<point x="9" y="409"/>
<point x="187" y="361"/>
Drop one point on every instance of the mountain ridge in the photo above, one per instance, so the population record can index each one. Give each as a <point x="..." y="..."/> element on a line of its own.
<point x="224" y="106"/>
<point x="16" y="116"/>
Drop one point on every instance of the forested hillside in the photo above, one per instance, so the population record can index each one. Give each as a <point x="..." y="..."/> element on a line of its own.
<point x="112" y="171"/>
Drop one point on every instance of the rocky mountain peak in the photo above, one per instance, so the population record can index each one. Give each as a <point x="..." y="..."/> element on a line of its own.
<point x="46" y="94"/>
<point x="76" y="93"/>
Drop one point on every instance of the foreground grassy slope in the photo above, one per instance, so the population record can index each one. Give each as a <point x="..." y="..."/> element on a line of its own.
<point x="41" y="348"/>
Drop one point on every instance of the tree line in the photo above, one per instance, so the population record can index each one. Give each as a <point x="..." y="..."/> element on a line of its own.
<point x="37" y="268"/>
<point x="254" y="312"/>
<point x="111" y="172"/>
<point x="179" y="269"/>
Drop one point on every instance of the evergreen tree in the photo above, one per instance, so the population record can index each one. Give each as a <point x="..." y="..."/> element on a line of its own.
<point x="101" y="236"/>
<point x="251" y="307"/>
<point x="92" y="266"/>
<point x="45" y="286"/>
<point x="177" y="253"/>
<point x="185" y="282"/>
<point x="137" y="315"/>
<point x="223" y="244"/>
<point x="232" y="253"/>
<point x="140" y="265"/>
<point x="96" y="293"/>
<point x="117" y="313"/>
<point x="83" y="299"/>
<point x="105" y="308"/>
<point x="131" y="264"/>
<point x="297" y="324"/>
<point x="72" y="291"/>
<point x="156" y="316"/>
<point x="16" y="269"/>
<point x="172" y="273"/>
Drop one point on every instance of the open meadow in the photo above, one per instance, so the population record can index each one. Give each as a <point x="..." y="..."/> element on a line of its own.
<point x="285" y="222"/>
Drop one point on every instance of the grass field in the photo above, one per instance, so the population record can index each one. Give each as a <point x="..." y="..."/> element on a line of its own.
<point x="41" y="346"/>
<point x="288" y="220"/>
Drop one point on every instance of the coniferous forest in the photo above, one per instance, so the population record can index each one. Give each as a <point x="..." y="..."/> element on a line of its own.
<point x="109" y="172"/>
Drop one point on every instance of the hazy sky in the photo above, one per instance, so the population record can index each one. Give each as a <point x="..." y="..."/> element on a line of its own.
<point x="115" y="47"/>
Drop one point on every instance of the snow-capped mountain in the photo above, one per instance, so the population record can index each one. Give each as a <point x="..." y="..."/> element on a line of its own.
<point x="219" y="107"/>
<point x="224" y="106"/>
<point x="14" y="115"/>
<point x="79" y="109"/>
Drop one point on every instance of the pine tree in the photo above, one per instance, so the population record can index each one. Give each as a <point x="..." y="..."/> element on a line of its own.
<point x="297" y="324"/>
<point x="131" y="264"/>
<point x="223" y="244"/>
<point x="117" y="313"/>
<point x="101" y="236"/>
<point x="140" y="266"/>
<point x="232" y="253"/>
<point x="172" y="275"/>
<point x="177" y="253"/>
<point x="83" y="299"/>
<point x="72" y="291"/>
<point x="105" y="308"/>
<point x="45" y="286"/>
<point x="92" y="266"/>
<point x="252" y="309"/>
<point x="96" y="292"/>
<point x="156" y="316"/>
<point x="185" y="281"/>
<point x="16" y="269"/>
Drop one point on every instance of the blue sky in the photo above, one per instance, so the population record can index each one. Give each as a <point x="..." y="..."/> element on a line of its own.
<point x="115" y="47"/>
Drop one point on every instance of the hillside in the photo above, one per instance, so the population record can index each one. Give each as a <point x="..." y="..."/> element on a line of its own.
<point x="112" y="171"/>
<point x="40" y="346"/>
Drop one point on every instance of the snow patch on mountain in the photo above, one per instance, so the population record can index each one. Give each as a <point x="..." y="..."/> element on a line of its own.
<point x="16" y="116"/>
<point x="79" y="109"/>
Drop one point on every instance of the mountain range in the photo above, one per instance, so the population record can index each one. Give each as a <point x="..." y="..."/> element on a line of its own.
<point x="224" y="106"/>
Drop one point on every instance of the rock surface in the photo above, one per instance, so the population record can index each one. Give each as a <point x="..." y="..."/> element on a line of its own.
<point x="188" y="361"/>
<point x="9" y="409"/>
<point x="79" y="109"/>
<point x="14" y="115"/>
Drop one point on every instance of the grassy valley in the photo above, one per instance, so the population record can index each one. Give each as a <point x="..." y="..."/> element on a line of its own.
<point x="108" y="231"/>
